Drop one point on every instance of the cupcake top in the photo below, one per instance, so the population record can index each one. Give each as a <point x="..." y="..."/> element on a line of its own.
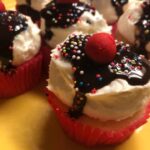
<point x="20" y="39"/>
<point x="61" y="19"/>
<point x="31" y="8"/>
<point x="104" y="88"/>
<point x="107" y="7"/>
<point x="134" y="26"/>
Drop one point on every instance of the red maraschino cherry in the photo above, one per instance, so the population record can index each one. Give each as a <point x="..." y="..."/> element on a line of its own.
<point x="101" y="48"/>
<point x="2" y="6"/>
<point x="67" y="1"/>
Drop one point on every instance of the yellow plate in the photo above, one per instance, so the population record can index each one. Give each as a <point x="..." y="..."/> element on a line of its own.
<point x="27" y="123"/>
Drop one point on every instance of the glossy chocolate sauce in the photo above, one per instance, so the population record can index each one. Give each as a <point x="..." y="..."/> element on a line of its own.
<point x="27" y="10"/>
<point x="90" y="76"/>
<point x="63" y="15"/>
<point x="143" y="36"/>
<point x="118" y="4"/>
<point x="11" y="24"/>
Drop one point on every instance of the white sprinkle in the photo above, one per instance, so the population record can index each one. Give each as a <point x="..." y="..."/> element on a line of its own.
<point x="78" y="57"/>
<point x="73" y="57"/>
<point x="81" y="72"/>
<point x="79" y="52"/>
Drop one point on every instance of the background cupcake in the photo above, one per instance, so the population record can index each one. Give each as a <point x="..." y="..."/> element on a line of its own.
<point x="110" y="9"/>
<point x="61" y="18"/>
<point x="134" y="26"/>
<point x="20" y="57"/>
<point x="93" y="88"/>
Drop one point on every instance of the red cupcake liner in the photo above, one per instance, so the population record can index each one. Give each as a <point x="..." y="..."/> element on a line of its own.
<point x="88" y="135"/>
<point x="23" y="79"/>
<point x="46" y="51"/>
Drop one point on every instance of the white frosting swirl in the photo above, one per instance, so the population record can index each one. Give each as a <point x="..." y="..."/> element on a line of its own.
<point x="35" y="4"/>
<point x="127" y="23"/>
<point x="26" y="44"/>
<point x="97" y="24"/>
<point x="116" y="101"/>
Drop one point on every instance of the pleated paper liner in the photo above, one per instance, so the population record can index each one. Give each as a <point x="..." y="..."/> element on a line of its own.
<point x="25" y="77"/>
<point x="92" y="132"/>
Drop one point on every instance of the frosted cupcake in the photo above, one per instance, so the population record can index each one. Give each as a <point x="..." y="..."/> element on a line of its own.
<point x="31" y="8"/>
<point x="93" y="88"/>
<point x="20" y="57"/>
<point x="61" y="18"/>
<point x="111" y="9"/>
<point x="134" y="26"/>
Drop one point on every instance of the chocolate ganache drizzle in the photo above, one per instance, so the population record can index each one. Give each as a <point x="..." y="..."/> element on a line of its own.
<point x="118" y="4"/>
<point x="90" y="76"/>
<point x="11" y="24"/>
<point x="29" y="11"/>
<point x="63" y="15"/>
<point x="143" y="36"/>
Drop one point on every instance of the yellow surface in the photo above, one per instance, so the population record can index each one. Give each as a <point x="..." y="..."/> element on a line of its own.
<point x="27" y="123"/>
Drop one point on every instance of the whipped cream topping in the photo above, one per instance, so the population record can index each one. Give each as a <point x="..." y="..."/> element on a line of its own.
<point x="134" y="26"/>
<point x="82" y="18"/>
<point x="20" y="40"/>
<point x="116" y="100"/>
<point x="26" y="44"/>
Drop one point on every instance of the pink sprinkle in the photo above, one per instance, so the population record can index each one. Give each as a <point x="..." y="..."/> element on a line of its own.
<point x="74" y="68"/>
<point x="66" y="54"/>
<point x="59" y="18"/>
<point x="132" y="67"/>
<point x="56" y="56"/>
<point x="112" y="63"/>
<point x="98" y="75"/>
<point x="93" y="91"/>
<point x="74" y="51"/>
<point x="139" y="67"/>
<point x="59" y="48"/>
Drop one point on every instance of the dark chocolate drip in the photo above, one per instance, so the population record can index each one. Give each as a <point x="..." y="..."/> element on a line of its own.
<point x="11" y="24"/>
<point x="28" y="2"/>
<point x="143" y="26"/>
<point x="63" y="15"/>
<point x="79" y="102"/>
<point x="118" y="4"/>
<point x="90" y="76"/>
<point x="28" y="11"/>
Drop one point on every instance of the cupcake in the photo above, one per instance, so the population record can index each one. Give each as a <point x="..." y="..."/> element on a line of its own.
<point x="94" y="85"/>
<point x="31" y="8"/>
<point x="134" y="27"/>
<point x="61" y="18"/>
<point x="111" y="9"/>
<point x="20" y="56"/>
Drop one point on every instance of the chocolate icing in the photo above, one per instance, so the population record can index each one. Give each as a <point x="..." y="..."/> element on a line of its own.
<point x="63" y="15"/>
<point x="11" y="24"/>
<point x="143" y="26"/>
<point x="28" y="2"/>
<point x="90" y="76"/>
<point x="118" y="4"/>
<point x="27" y="10"/>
